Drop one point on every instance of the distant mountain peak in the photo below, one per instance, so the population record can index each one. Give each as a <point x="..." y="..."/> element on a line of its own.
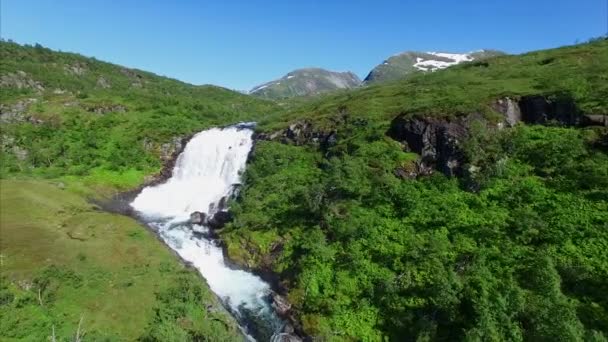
<point x="404" y="63"/>
<point x="305" y="82"/>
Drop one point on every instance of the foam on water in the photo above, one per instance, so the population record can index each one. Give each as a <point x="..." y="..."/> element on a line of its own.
<point x="207" y="170"/>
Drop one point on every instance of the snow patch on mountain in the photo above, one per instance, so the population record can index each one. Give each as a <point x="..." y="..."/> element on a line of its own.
<point x="446" y="60"/>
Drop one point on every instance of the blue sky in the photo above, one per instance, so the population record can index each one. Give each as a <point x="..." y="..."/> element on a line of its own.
<point x="238" y="44"/>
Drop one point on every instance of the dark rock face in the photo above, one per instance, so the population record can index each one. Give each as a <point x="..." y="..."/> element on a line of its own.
<point x="436" y="141"/>
<point x="540" y="110"/>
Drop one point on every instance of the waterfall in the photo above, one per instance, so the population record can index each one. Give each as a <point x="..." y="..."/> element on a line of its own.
<point x="204" y="173"/>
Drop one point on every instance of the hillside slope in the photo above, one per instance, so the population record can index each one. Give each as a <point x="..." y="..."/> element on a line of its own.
<point x="65" y="263"/>
<point x="306" y="82"/>
<point x="64" y="114"/>
<point x="406" y="63"/>
<point x="74" y="128"/>
<point x="465" y="204"/>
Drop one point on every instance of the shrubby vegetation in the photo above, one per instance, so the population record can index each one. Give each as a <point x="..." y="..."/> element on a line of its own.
<point x="366" y="255"/>
<point x="513" y="251"/>
<point x="92" y="117"/>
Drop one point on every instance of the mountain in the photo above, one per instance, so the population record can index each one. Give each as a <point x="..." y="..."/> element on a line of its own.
<point x="406" y="63"/>
<point x="306" y="82"/>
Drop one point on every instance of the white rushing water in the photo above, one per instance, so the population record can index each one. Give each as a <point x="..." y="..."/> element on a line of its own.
<point x="206" y="171"/>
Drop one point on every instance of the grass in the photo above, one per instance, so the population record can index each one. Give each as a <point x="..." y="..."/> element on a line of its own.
<point x="105" y="268"/>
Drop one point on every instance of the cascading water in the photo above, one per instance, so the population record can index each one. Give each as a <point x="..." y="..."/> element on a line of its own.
<point x="204" y="173"/>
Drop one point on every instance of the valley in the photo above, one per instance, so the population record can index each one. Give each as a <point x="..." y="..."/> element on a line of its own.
<point x="467" y="203"/>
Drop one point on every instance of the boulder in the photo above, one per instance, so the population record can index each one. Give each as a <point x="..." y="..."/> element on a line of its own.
<point x="595" y="120"/>
<point x="280" y="304"/>
<point x="285" y="337"/>
<point x="198" y="217"/>
<point x="222" y="204"/>
<point x="219" y="219"/>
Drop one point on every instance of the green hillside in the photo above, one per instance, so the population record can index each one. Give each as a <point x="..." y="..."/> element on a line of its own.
<point x="64" y="114"/>
<point x="65" y="263"/>
<point x="370" y="247"/>
<point x="74" y="128"/>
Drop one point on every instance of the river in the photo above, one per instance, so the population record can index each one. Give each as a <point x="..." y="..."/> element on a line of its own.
<point x="206" y="171"/>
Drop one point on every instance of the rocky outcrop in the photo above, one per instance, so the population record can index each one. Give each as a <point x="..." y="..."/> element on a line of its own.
<point x="302" y="133"/>
<point x="20" y="80"/>
<point x="595" y="120"/>
<point x="103" y="83"/>
<point x="172" y="149"/>
<point x="168" y="153"/>
<point x="137" y="80"/>
<point x="16" y="112"/>
<point x="105" y="109"/>
<point x="77" y="69"/>
<point x="437" y="142"/>
<point x="541" y="109"/>
<point x="509" y="108"/>
<point x="298" y="133"/>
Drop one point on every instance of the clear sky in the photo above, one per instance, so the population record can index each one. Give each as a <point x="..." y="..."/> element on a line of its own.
<point x="238" y="44"/>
